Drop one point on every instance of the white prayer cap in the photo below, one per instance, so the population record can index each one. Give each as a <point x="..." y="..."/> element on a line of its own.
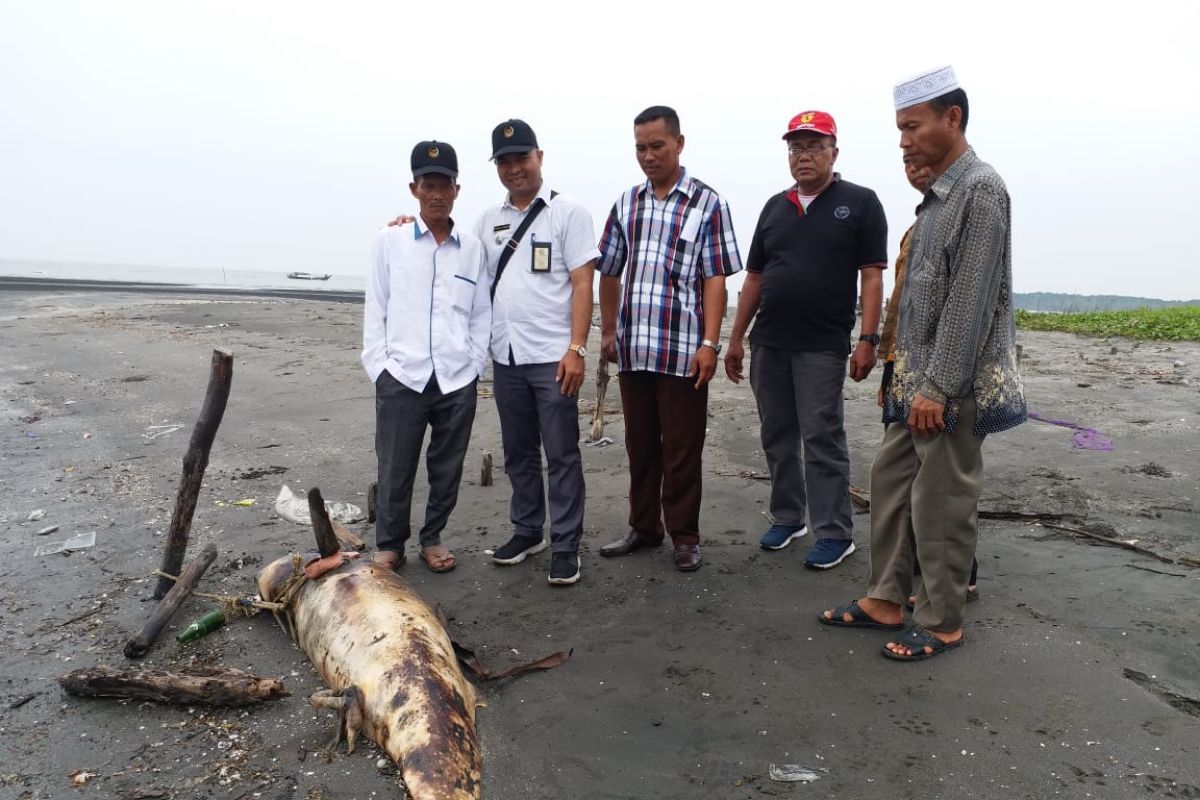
<point x="924" y="87"/>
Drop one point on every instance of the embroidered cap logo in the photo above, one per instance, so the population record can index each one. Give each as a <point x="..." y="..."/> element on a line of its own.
<point x="433" y="152"/>
<point x="807" y="118"/>
<point x="507" y="133"/>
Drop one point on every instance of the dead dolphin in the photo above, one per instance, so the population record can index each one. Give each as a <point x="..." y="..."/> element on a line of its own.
<point x="392" y="669"/>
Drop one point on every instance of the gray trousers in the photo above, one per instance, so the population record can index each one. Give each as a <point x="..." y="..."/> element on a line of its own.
<point x="925" y="501"/>
<point x="799" y="396"/>
<point x="401" y="417"/>
<point x="534" y="414"/>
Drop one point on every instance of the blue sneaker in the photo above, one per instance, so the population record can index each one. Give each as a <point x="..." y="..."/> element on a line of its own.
<point x="828" y="553"/>
<point x="779" y="536"/>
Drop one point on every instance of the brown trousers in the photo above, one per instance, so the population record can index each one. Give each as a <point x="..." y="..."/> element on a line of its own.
<point x="925" y="501"/>
<point x="665" y="418"/>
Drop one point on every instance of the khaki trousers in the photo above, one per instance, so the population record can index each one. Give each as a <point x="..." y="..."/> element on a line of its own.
<point x="924" y="503"/>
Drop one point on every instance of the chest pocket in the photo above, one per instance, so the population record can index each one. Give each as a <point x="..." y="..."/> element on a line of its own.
<point x="683" y="254"/>
<point x="463" y="294"/>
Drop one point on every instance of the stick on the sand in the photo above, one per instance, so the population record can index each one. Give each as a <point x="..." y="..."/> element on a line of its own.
<point x="139" y="645"/>
<point x="194" y="463"/>
<point x="601" y="389"/>
<point x="348" y="539"/>
<point x="1108" y="540"/>
<point x="199" y="685"/>
<point x="327" y="542"/>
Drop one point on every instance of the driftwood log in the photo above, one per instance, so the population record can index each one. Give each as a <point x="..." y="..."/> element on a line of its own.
<point x="196" y="685"/>
<point x="195" y="461"/>
<point x="597" y="430"/>
<point x="327" y="541"/>
<point x="139" y="645"/>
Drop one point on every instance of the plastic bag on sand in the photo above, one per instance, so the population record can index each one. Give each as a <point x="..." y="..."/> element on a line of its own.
<point x="294" y="508"/>
<point x="792" y="772"/>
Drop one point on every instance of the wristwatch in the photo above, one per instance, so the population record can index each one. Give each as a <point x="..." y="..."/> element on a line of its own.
<point x="578" y="348"/>
<point x="716" y="346"/>
<point x="871" y="338"/>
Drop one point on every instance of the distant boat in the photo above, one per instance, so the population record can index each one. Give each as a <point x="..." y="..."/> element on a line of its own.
<point x="308" y="276"/>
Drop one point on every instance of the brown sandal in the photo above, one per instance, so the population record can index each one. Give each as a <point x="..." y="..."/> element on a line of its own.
<point x="443" y="563"/>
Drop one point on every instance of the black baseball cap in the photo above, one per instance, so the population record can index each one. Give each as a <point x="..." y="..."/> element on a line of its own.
<point x="512" y="136"/>
<point x="434" y="157"/>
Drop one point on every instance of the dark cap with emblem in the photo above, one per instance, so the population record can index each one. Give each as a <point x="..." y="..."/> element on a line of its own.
<point x="434" y="157"/>
<point x="512" y="136"/>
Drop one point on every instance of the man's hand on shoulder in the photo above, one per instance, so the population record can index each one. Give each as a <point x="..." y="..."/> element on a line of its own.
<point x="402" y="220"/>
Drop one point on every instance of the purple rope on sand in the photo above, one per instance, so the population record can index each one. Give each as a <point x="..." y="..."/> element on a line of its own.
<point x="1084" y="438"/>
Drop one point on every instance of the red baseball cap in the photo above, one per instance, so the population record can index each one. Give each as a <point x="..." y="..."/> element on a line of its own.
<point x="815" y="121"/>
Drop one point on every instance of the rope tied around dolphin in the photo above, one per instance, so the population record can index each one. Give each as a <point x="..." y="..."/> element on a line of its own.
<point x="303" y="571"/>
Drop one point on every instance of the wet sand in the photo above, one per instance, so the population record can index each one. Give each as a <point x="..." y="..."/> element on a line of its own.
<point x="1078" y="679"/>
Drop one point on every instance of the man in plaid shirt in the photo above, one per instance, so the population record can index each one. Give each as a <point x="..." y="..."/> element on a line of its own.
<point x="666" y="249"/>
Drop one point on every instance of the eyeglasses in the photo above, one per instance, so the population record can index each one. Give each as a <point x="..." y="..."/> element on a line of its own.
<point x="806" y="149"/>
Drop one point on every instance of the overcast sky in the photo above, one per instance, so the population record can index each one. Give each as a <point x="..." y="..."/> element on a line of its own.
<point x="272" y="135"/>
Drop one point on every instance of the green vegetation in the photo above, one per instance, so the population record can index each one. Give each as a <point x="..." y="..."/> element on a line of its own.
<point x="1181" y="323"/>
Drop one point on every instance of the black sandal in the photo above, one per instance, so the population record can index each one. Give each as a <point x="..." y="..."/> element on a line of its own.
<point x="916" y="639"/>
<point x="858" y="619"/>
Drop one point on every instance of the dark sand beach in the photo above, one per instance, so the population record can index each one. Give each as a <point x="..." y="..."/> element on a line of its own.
<point x="1080" y="676"/>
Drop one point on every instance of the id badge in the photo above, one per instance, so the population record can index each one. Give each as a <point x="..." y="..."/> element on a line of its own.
<point x="540" y="256"/>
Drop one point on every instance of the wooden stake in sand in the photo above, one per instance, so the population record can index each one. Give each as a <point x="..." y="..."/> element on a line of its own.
<point x="139" y="645"/>
<point x="202" y="685"/>
<point x="485" y="470"/>
<point x="327" y="541"/>
<point x="195" y="461"/>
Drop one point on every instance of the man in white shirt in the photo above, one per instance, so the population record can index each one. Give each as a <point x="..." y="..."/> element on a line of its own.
<point x="425" y="335"/>
<point x="541" y="256"/>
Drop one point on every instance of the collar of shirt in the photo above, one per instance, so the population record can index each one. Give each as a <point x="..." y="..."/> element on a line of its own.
<point x="684" y="185"/>
<point x="793" y="194"/>
<point x="420" y="229"/>
<point x="941" y="187"/>
<point x="543" y="194"/>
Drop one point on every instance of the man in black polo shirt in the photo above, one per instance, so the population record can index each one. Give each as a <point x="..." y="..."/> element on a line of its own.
<point x="813" y="245"/>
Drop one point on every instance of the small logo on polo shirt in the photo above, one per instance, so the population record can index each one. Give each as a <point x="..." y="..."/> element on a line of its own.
<point x="841" y="212"/>
<point x="433" y="152"/>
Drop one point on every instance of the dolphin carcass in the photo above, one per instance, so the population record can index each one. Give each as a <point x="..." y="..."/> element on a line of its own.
<point x="392" y="669"/>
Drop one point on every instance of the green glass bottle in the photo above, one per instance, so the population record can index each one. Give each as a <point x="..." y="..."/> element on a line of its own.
<point x="201" y="627"/>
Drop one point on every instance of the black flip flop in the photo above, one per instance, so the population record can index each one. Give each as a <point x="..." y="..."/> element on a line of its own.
<point x="917" y="639"/>
<point x="859" y="619"/>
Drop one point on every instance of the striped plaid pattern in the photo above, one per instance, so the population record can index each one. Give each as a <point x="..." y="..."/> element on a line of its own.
<point x="664" y="250"/>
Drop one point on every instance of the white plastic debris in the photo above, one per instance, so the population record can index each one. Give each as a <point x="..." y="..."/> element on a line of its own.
<point x="34" y="516"/>
<point x="295" y="509"/>
<point x="79" y="542"/>
<point x="155" y="431"/>
<point x="793" y="773"/>
<point x="47" y="530"/>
